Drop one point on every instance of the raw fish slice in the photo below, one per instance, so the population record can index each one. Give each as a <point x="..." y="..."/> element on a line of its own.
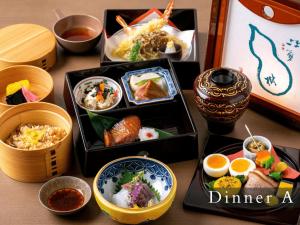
<point x="29" y="96"/>
<point x="149" y="90"/>
<point x="125" y="131"/>
<point x="140" y="195"/>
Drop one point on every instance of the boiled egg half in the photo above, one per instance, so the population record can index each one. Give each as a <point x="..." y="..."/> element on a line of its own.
<point x="216" y="165"/>
<point x="241" y="166"/>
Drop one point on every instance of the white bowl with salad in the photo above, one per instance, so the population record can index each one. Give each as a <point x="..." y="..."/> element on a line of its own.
<point x="98" y="94"/>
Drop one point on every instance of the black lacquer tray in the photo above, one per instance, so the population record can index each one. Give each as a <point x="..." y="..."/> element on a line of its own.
<point x="184" y="19"/>
<point x="171" y="116"/>
<point x="197" y="195"/>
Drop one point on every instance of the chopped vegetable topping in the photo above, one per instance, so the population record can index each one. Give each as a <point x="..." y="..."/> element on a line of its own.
<point x="276" y="176"/>
<point x="101" y="86"/>
<point x="135" y="51"/>
<point x="242" y="178"/>
<point x="280" y="167"/>
<point x="142" y="82"/>
<point x="264" y="159"/>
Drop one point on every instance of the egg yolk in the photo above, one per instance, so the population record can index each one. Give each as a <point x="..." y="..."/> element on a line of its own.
<point x="240" y="165"/>
<point x="216" y="161"/>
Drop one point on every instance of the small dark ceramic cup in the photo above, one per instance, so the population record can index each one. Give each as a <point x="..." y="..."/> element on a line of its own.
<point x="78" y="21"/>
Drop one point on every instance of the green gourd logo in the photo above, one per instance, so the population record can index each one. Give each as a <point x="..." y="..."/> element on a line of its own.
<point x="276" y="78"/>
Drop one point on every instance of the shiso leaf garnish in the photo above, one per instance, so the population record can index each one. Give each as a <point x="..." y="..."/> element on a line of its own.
<point x="126" y="178"/>
<point x="163" y="134"/>
<point x="242" y="178"/>
<point x="101" y="123"/>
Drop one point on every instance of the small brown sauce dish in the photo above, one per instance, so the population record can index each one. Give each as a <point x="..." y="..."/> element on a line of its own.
<point x="65" y="195"/>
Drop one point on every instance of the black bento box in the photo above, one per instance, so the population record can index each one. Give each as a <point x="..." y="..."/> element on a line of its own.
<point x="172" y="116"/>
<point x="184" y="19"/>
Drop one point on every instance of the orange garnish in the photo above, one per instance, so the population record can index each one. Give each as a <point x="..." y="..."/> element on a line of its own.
<point x="116" y="93"/>
<point x="262" y="157"/>
<point x="101" y="86"/>
<point x="99" y="97"/>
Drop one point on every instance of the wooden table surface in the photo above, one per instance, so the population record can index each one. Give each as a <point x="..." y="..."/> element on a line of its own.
<point x="19" y="201"/>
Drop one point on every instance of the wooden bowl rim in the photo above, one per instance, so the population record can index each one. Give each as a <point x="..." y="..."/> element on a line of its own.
<point x="40" y="70"/>
<point x="68" y="119"/>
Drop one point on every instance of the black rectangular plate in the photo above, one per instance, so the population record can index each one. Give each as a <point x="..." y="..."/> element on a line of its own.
<point x="184" y="19"/>
<point x="172" y="116"/>
<point x="195" y="198"/>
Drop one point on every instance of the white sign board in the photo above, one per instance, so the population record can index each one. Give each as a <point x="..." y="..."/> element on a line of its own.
<point x="267" y="52"/>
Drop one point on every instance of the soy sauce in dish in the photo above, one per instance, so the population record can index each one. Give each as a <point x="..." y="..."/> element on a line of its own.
<point x="65" y="199"/>
<point x="78" y="34"/>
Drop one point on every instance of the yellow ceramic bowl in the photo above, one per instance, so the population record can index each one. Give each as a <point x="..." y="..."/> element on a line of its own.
<point x="106" y="179"/>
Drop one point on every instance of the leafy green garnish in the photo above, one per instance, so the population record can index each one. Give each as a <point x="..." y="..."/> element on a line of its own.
<point x="268" y="163"/>
<point x="126" y="178"/>
<point x="101" y="123"/>
<point x="242" y="178"/>
<point x="135" y="51"/>
<point x="142" y="82"/>
<point x="210" y="185"/>
<point x="276" y="176"/>
<point x="163" y="134"/>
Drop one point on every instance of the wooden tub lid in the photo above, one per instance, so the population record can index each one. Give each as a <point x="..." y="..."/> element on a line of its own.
<point x="27" y="44"/>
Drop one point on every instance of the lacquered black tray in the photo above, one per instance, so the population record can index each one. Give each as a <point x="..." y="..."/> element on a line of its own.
<point x="171" y="116"/>
<point x="197" y="198"/>
<point x="184" y="19"/>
